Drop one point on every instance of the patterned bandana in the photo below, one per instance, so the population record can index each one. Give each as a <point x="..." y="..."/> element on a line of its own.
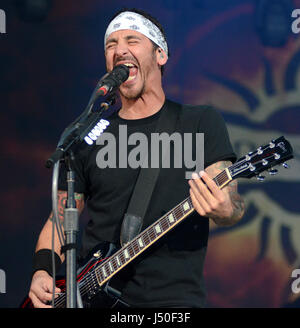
<point x="128" y="20"/>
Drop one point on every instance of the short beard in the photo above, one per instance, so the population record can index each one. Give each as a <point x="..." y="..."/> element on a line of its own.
<point x="139" y="95"/>
<point x="134" y="96"/>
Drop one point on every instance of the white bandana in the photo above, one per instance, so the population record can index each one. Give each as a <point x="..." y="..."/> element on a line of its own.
<point x="128" y="20"/>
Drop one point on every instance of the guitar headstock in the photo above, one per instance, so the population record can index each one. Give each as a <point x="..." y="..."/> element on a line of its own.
<point x="264" y="158"/>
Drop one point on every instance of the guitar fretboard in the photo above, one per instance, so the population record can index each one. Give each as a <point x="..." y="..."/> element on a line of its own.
<point x="150" y="235"/>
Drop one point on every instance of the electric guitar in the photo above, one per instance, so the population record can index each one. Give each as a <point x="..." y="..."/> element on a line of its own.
<point x="107" y="260"/>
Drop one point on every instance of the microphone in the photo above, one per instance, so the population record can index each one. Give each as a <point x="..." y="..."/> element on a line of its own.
<point x="79" y="129"/>
<point x="112" y="80"/>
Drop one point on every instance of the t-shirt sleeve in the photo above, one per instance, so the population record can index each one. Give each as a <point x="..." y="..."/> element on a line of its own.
<point x="217" y="145"/>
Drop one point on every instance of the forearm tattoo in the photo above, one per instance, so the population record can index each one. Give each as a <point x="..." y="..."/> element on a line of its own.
<point x="236" y="199"/>
<point x="61" y="204"/>
<point x="231" y="188"/>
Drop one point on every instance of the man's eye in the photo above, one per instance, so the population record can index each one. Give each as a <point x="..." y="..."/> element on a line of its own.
<point x="110" y="46"/>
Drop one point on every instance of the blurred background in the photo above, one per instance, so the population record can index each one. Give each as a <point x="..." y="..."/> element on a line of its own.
<point x="239" y="55"/>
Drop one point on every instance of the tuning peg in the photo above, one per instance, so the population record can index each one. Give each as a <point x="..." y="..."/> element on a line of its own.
<point x="273" y="171"/>
<point x="276" y="156"/>
<point x="252" y="167"/>
<point x="259" y="151"/>
<point x="285" y="165"/>
<point x="264" y="162"/>
<point x="272" y="144"/>
<point x="260" y="178"/>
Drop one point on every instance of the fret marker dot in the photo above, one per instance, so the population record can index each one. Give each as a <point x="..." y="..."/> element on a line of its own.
<point x="141" y="242"/>
<point x="157" y="229"/>
<point x="186" y="206"/>
<point x="171" y="218"/>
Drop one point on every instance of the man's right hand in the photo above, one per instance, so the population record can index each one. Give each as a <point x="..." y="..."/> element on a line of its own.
<point x="41" y="289"/>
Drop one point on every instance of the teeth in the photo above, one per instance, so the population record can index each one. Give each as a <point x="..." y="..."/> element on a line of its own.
<point x="130" y="65"/>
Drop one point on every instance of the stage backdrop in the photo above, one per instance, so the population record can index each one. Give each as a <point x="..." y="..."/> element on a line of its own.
<point x="239" y="55"/>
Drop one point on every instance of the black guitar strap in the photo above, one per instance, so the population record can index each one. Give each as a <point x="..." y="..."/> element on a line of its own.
<point x="146" y="181"/>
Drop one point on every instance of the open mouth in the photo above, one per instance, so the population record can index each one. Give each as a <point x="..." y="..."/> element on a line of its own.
<point x="133" y="70"/>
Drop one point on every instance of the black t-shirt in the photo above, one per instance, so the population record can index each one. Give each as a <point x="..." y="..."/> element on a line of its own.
<point x="170" y="272"/>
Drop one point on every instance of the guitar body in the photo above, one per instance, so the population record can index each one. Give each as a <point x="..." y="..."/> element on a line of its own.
<point x="93" y="296"/>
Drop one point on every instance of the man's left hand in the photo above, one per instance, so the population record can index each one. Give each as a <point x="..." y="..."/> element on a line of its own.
<point x="208" y="199"/>
<point x="225" y="206"/>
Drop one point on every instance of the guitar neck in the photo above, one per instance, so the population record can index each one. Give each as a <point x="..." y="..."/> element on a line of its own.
<point x="149" y="236"/>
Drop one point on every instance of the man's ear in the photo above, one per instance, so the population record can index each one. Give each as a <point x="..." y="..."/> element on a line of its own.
<point x="161" y="57"/>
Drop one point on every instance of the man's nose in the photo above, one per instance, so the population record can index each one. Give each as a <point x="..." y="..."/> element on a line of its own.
<point x="121" y="49"/>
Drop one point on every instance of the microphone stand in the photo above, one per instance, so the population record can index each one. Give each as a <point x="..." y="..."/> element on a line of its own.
<point x="70" y="230"/>
<point x="72" y="135"/>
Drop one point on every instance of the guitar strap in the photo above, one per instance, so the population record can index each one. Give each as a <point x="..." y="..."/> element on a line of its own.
<point x="146" y="181"/>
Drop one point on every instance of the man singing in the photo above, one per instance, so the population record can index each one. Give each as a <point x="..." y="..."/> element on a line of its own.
<point x="170" y="273"/>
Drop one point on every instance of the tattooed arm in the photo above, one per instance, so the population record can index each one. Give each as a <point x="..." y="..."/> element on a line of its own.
<point x="224" y="206"/>
<point x="44" y="240"/>
<point x="41" y="285"/>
